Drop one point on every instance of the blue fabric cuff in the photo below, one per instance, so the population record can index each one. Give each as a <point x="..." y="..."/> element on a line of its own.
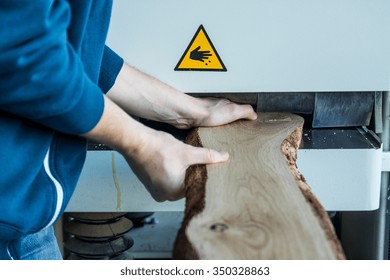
<point x="83" y="116"/>
<point x="111" y="65"/>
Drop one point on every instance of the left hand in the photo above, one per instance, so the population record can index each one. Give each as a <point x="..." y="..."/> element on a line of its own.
<point x="223" y="111"/>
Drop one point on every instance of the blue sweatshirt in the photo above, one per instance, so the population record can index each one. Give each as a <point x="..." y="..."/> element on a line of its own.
<point x="54" y="70"/>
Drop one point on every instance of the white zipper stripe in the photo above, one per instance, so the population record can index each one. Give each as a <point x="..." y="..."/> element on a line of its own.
<point x="60" y="192"/>
<point x="9" y="253"/>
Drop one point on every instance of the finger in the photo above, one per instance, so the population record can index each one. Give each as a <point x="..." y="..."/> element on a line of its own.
<point x="244" y="112"/>
<point x="206" y="156"/>
<point x="230" y="113"/>
<point x="159" y="197"/>
<point x="172" y="189"/>
<point x="252" y="115"/>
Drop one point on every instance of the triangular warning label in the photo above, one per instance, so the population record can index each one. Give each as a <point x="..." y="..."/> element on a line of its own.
<point x="200" y="55"/>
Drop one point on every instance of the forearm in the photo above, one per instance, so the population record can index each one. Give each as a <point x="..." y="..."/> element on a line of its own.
<point x="142" y="95"/>
<point x="158" y="159"/>
<point x="118" y="130"/>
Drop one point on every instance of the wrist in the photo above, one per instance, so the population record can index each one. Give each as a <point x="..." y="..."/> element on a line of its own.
<point x="117" y="129"/>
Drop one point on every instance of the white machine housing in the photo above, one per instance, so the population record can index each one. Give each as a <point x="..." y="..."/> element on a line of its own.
<point x="266" y="45"/>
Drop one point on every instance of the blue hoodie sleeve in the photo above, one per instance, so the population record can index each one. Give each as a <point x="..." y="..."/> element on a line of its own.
<point x="111" y="65"/>
<point x="41" y="76"/>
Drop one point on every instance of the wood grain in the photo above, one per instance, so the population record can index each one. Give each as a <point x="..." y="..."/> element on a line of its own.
<point x="256" y="206"/>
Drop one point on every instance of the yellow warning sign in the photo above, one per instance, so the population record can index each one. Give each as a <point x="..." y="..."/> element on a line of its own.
<point x="200" y="55"/>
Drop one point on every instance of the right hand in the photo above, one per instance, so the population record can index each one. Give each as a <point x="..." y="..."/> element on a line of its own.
<point x="162" y="161"/>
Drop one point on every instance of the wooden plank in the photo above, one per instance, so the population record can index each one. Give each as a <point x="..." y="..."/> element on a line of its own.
<point x="256" y="206"/>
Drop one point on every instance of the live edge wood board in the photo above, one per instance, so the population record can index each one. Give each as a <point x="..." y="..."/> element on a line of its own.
<point x="257" y="205"/>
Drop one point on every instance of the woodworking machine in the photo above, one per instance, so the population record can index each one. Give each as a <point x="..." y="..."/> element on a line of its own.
<point x="328" y="61"/>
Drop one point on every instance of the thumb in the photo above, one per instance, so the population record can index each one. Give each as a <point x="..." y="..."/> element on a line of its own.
<point x="252" y="116"/>
<point x="206" y="156"/>
<point x="245" y="112"/>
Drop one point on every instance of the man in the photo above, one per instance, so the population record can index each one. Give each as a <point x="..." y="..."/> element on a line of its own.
<point x="54" y="71"/>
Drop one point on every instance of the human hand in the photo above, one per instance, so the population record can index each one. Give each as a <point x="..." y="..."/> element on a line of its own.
<point x="222" y="111"/>
<point x="162" y="161"/>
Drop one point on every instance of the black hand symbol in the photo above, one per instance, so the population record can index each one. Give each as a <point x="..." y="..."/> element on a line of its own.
<point x="196" y="54"/>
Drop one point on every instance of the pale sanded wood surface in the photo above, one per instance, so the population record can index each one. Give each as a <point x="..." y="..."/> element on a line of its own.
<point x="256" y="206"/>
